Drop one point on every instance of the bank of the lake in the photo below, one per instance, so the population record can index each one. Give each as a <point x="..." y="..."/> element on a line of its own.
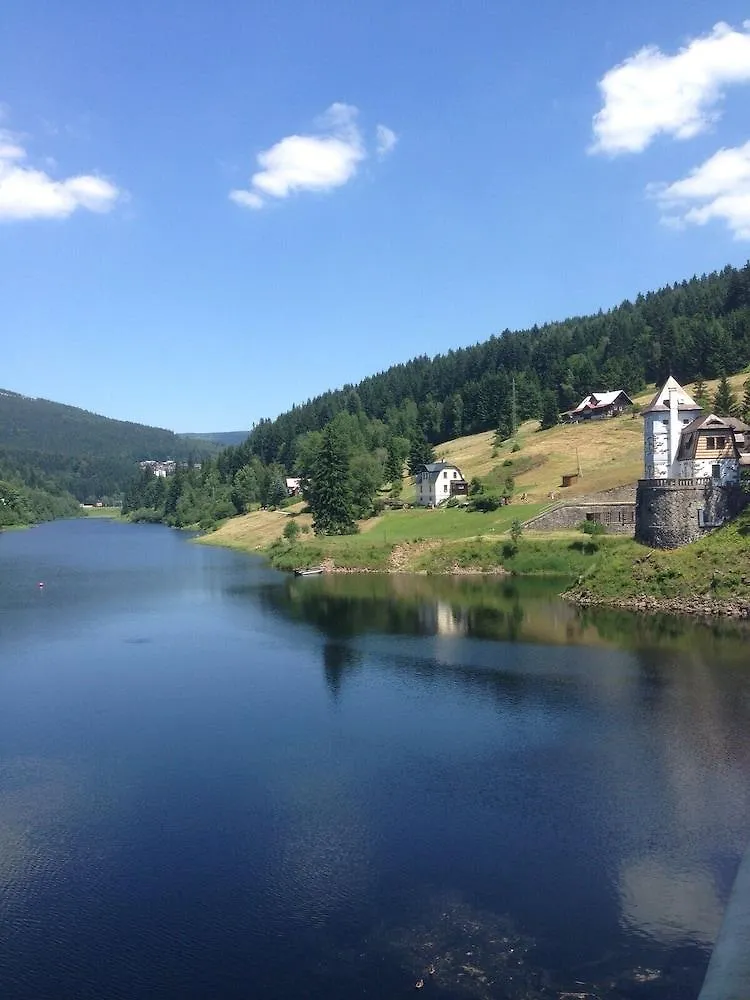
<point x="442" y="541"/>
<point x="708" y="577"/>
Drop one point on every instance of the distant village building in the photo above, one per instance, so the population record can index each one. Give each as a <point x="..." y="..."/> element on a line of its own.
<point x="692" y="469"/>
<point x="598" y="405"/>
<point x="293" y="486"/>
<point x="160" y="469"/>
<point x="438" y="482"/>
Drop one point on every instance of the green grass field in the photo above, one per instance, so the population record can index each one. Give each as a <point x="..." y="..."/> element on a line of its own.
<point x="420" y="523"/>
<point x="101" y="511"/>
<point x="715" y="567"/>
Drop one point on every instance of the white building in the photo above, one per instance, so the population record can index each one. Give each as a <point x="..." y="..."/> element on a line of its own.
<point x="664" y="419"/>
<point x="709" y="450"/>
<point x="680" y="441"/>
<point x="438" y="482"/>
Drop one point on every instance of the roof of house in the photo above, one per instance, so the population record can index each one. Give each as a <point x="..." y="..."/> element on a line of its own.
<point x="433" y="469"/>
<point x="707" y="423"/>
<point x="661" y="399"/>
<point x="597" y="400"/>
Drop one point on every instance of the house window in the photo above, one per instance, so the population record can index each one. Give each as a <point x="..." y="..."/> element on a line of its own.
<point x="445" y="475"/>
<point x="445" y="488"/>
<point x="716" y="472"/>
<point x="721" y="442"/>
<point x="593" y="517"/>
<point x="710" y="443"/>
<point x="455" y="475"/>
<point x="701" y="518"/>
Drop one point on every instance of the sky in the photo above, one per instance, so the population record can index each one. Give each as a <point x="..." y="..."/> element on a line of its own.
<point x="209" y="212"/>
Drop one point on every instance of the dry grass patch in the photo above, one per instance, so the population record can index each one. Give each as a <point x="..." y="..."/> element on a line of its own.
<point x="256" y="530"/>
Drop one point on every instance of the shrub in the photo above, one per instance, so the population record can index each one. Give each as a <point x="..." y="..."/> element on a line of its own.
<point x="592" y="528"/>
<point x="516" y="446"/>
<point x="516" y="530"/>
<point x="508" y="462"/>
<point x="291" y="532"/>
<point x="486" y="502"/>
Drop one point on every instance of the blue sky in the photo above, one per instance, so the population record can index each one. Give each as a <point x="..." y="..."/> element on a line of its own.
<point x="168" y="255"/>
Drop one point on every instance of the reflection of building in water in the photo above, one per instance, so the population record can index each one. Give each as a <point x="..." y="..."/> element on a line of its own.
<point x="442" y="618"/>
<point x="668" y="888"/>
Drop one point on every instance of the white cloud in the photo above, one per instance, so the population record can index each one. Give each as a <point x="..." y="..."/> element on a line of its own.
<point x="386" y="140"/>
<point x="29" y="193"/>
<point x="717" y="189"/>
<point x="652" y="93"/>
<point x="318" y="162"/>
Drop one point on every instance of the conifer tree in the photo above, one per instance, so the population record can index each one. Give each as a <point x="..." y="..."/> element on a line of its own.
<point x="725" y="401"/>
<point x="330" y="490"/>
<point x="700" y="393"/>
<point x="745" y="405"/>
<point x="421" y="452"/>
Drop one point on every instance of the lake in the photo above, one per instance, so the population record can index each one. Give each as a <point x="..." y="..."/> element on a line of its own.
<point x="217" y="781"/>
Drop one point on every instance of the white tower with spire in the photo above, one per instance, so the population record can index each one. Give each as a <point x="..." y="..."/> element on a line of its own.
<point x="669" y="411"/>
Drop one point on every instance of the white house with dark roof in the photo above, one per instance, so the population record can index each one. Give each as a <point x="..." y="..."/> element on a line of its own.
<point x="438" y="482"/>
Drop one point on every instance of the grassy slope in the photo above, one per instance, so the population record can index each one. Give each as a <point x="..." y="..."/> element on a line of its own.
<point x="610" y="454"/>
<point x="716" y="567"/>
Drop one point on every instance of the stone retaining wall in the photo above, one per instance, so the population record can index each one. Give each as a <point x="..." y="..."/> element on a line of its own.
<point x="614" y="508"/>
<point x="670" y="513"/>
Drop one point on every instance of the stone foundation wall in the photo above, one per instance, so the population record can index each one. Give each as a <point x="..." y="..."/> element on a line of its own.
<point x="614" y="508"/>
<point x="668" y="512"/>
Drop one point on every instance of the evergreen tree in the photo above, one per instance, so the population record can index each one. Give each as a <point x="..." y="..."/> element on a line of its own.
<point x="245" y="489"/>
<point x="700" y="393"/>
<point x="725" y="401"/>
<point x="550" y="413"/>
<point x="330" y="490"/>
<point x="398" y="449"/>
<point x="745" y="405"/>
<point x="277" y="492"/>
<point x="421" y="452"/>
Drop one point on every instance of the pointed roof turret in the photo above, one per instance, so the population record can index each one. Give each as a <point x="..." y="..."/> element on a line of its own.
<point x="661" y="399"/>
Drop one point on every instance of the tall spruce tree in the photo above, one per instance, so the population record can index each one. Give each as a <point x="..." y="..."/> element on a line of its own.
<point x="700" y="393"/>
<point x="421" y="452"/>
<point x="550" y="412"/>
<point x="725" y="401"/>
<point x="330" y="492"/>
<point x="745" y="405"/>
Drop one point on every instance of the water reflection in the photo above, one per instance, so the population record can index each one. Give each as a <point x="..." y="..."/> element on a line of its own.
<point x="666" y="774"/>
<point x="481" y="608"/>
<point x="330" y="787"/>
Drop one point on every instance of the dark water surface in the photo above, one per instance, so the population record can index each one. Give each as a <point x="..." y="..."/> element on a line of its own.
<point x="220" y="782"/>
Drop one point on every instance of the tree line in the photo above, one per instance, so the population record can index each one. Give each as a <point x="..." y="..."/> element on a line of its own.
<point x="347" y="444"/>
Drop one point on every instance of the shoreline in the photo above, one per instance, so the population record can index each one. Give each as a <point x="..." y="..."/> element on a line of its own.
<point x="693" y="606"/>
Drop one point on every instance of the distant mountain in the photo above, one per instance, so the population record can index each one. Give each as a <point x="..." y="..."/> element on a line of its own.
<point x="52" y="446"/>
<point x="223" y="438"/>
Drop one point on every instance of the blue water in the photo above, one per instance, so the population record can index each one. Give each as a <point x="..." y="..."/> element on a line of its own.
<point x="220" y="782"/>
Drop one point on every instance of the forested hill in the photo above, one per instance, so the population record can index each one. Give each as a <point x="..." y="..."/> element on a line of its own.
<point x="221" y="437"/>
<point x="348" y="444"/>
<point x="696" y="327"/>
<point x="54" y="447"/>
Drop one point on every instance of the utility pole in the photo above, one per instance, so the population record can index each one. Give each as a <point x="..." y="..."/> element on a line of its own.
<point x="514" y="417"/>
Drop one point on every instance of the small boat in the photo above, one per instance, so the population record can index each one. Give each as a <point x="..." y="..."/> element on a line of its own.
<point x="309" y="571"/>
